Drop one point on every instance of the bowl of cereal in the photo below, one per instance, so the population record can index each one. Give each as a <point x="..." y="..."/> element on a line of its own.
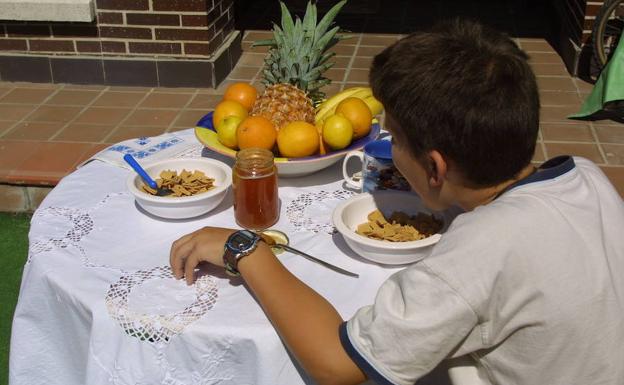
<point x="198" y="184"/>
<point x="388" y="226"/>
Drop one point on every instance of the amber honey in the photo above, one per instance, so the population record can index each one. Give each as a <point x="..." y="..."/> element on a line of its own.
<point x="254" y="184"/>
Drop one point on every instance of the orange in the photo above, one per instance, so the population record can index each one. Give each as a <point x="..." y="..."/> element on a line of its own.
<point x="297" y="139"/>
<point x="358" y="113"/>
<point x="256" y="131"/>
<point x="227" y="108"/>
<point x="243" y="93"/>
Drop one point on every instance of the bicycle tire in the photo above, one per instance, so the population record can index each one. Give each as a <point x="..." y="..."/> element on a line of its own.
<point x="602" y="38"/>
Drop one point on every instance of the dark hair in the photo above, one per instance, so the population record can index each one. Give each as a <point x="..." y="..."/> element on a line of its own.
<point x="465" y="90"/>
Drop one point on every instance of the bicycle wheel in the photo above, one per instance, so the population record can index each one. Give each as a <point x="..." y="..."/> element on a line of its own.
<point x="607" y="30"/>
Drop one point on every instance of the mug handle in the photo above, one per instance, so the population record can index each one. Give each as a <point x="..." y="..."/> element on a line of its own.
<point x="349" y="178"/>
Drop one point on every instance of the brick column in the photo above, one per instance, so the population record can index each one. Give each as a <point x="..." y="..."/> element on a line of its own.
<point x="131" y="42"/>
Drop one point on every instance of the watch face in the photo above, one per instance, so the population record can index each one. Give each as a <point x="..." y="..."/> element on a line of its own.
<point x="241" y="240"/>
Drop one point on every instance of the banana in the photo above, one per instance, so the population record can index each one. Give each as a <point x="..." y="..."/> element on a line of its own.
<point x="327" y="107"/>
<point x="375" y="105"/>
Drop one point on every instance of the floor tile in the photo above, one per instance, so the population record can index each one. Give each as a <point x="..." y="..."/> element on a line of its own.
<point x="548" y="69"/>
<point x="49" y="163"/>
<point x="345" y="50"/>
<point x="119" y="99"/>
<point x="557" y="113"/>
<point x="335" y="74"/>
<point x="15" y="112"/>
<point x="610" y="134"/>
<point x="362" y="62"/>
<point x="566" y="132"/>
<point x="536" y="45"/>
<point x="206" y="102"/>
<point x="554" y="83"/>
<point x="150" y="117"/>
<point x="365" y="50"/>
<point x="189" y="118"/>
<point x="357" y="76"/>
<point x="251" y="59"/>
<point x="616" y="176"/>
<point x="378" y="39"/>
<point x="89" y="152"/>
<point x="545" y="57"/>
<point x="614" y="153"/>
<point x="27" y="95"/>
<point x="14" y="152"/>
<point x="73" y="97"/>
<point x="78" y="132"/>
<point x="244" y="73"/>
<point x="39" y="131"/>
<point x="5" y="126"/>
<point x="165" y="100"/>
<point x="559" y="98"/>
<point x="102" y="115"/>
<point x="589" y="151"/>
<point x="127" y="132"/>
<point x="60" y="114"/>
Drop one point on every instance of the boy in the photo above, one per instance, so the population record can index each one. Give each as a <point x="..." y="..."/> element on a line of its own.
<point x="529" y="281"/>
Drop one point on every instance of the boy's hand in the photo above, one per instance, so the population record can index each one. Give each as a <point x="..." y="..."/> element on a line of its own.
<point x="203" y="245"/>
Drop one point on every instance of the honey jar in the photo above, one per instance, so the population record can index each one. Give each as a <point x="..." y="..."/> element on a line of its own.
<point x="254" y="185"/>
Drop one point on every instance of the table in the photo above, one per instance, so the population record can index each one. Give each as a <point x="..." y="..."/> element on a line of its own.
<point x="98" y="303"/>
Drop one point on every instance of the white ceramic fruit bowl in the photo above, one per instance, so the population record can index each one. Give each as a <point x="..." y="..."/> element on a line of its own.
<point x="187" y="206"/>
<point x="350" y="213"/>
<point x="287" y="167"/>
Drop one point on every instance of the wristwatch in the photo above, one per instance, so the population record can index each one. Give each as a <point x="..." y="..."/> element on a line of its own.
<point x="240" y="244"/>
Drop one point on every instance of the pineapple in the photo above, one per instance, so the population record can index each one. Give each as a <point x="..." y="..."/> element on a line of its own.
<point x="293" y="71"/>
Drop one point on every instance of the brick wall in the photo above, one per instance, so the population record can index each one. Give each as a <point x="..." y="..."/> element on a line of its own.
<point x="139" y="29"/>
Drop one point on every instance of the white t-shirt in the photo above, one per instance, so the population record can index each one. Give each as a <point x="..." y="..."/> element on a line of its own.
<point x="530" y="285"/>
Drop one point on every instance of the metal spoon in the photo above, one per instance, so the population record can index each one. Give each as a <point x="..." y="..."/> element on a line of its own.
<point x="275" y="239"/>
<point x="160" y="191"/>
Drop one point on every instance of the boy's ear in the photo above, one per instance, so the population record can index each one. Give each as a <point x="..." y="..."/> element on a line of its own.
<point x="437" y="168"/>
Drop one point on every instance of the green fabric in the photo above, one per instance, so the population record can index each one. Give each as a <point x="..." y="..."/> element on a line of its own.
<point x="13" y="253"/>
<point x="608" y="88"/>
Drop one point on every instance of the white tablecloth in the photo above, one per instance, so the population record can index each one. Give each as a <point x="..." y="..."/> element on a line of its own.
<point x="98" y="304"/>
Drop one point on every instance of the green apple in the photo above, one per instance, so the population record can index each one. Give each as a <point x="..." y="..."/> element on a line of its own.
<point x="226" y="131"/>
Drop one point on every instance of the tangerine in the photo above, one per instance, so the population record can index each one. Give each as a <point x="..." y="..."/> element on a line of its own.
<point x="243" y="93"/>
<point x="227" y="108"/>
<point x="358" y="113"/>
<point x="297" y="139"/>
<point x="256" y="131"/>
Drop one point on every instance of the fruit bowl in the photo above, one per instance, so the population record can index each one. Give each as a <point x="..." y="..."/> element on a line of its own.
<point x="287" y="167"/>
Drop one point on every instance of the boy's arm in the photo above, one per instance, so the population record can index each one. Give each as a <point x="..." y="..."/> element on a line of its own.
<point x="306" y="322"/>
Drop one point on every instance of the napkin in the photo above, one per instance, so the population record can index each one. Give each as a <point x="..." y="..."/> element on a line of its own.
<point x="150" y="149"/>
<point x="606" y="101"/>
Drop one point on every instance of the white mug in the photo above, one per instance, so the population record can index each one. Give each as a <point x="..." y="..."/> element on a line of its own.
<point x="378" y="170"/>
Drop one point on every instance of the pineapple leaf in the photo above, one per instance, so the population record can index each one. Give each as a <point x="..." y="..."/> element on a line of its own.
<point x="328" y="19"/>
<point x="269" y="76"/>
<point x="287" y="21"/>
<point x="325" y="39"/>
<point x="325" y="57"/>
<point x="309" y="19"/>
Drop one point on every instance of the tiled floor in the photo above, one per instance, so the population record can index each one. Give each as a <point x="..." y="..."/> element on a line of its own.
<point x="46" y="130"/>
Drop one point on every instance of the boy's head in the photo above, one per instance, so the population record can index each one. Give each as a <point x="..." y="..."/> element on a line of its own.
<point x="465" y="91"/>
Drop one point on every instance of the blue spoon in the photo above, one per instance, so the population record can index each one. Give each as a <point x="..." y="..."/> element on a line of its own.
<point x="161" y="192"/>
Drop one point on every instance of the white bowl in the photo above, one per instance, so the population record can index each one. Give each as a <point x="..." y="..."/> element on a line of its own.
<point x="182" y="207"/>
<point x="286" y="167"/>
<point x="354" y="211"/>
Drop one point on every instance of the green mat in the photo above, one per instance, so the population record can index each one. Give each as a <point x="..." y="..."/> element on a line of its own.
<point x="13" y="253"/>
<point x="606" y="101"/>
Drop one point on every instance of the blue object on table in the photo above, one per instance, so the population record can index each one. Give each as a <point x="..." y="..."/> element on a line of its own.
<point x="137" y="167"/>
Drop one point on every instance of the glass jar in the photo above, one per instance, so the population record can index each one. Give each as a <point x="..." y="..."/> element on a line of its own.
<point x="254" y="184"/>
